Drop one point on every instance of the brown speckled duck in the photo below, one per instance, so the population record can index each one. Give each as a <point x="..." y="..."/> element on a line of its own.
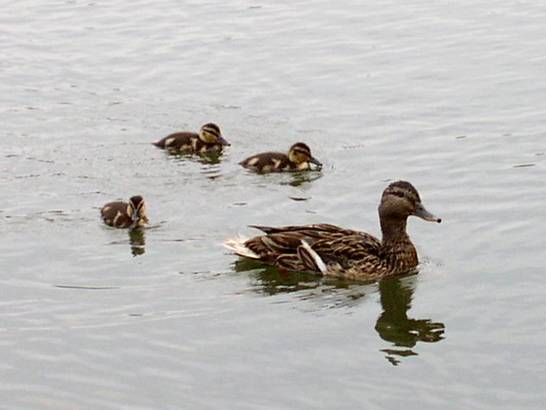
<point x="299" y="158"/>
<point x="333" y="251"/>
<point x="130" y="214"/>
<point x="208" y="140"/>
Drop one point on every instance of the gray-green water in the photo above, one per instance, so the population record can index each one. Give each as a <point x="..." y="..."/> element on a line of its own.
<point x="448" y="95"/>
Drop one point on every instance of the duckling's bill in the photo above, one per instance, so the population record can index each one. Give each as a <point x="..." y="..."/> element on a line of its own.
<point x="316" y="162"/>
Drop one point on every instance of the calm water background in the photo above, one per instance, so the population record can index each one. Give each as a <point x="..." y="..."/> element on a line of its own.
<point x="448" y="95"/>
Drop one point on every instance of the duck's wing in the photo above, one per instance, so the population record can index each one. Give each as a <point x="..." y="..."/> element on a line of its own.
<point x="267" y="162"/>
<point x="177" y="141"/>
<point x="349" y="256"/>
<point x="115" y="214"/>
<point x="314" y="248"/>
<point x="283" y="241"/>
<point x="313" y="229"/>
<point x="347" y="250"/>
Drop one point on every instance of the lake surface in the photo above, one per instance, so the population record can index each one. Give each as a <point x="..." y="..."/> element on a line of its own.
<point x="448" y="95"/>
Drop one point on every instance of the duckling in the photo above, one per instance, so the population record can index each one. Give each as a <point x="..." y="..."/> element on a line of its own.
<point x="299" y="158"/>
<point x="333" y="251"/>
<point x="208" y="140"/>
<point x="125" y="215"/>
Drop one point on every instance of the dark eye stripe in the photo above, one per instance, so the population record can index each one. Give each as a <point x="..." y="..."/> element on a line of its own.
<point x="301" y="151"/>
<point x="212" y="131"/>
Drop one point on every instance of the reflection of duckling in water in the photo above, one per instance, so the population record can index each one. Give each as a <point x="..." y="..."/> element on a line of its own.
<point x="137" y="241"/>
<point x="299" y="178"/>
<point x="208" y="140"/>
<point x="130" y="214"/>
<point x="393" y="325"/>
<point x="299" y="158"/>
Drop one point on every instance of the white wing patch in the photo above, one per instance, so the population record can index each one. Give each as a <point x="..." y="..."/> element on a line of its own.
<point x="253" y="161"/>
<point x="316" y="258"/>
<point x="118" y="214"/>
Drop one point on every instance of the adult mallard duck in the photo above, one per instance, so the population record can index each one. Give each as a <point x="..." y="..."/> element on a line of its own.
<point x="299" y="158"/>
<point x="208" y="140"/>
<point x="333" y="251"/>
<point x="130" y="214"/>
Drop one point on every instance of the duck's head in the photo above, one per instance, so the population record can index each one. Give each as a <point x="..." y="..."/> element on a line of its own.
<point x="300" y="154"/>
<point x="137" y="210"/>
<point x="400" y="200"/>
<point x="210" y="134"/>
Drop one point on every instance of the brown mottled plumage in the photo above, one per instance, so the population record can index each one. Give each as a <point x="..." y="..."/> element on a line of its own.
<point x="208" y="140"/>
<point x="298" y="158"/>
<point x="130" y="214"/>
<point x="334" y="251"/>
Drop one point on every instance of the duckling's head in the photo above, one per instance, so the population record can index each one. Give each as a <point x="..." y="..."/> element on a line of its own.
<point x="400" y="200"/>
<point x="210" y="134"/>
<point x="300" y="154"/>
<point x="137" y="209"/>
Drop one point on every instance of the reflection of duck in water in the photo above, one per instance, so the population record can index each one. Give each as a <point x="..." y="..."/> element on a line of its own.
<point x="396" y="293"/>
<point x="137" y="241"/>
<point x="324" y="292"/>
<point x="272" y="281"/>
<point x="393" y="325"/>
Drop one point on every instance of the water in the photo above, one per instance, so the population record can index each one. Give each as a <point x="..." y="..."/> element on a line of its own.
<point x="449" y="96"/>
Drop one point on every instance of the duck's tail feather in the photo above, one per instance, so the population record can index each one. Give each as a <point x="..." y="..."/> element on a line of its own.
<point x="237" y="245"/>
<point x="265" y="229"/>
<point x="310" y="258"/>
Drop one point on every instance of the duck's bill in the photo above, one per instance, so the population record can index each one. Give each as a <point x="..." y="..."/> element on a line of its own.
<point x="315" y="162"/>
<point x="422" y="213"/>
<point x="223" y="141"/>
